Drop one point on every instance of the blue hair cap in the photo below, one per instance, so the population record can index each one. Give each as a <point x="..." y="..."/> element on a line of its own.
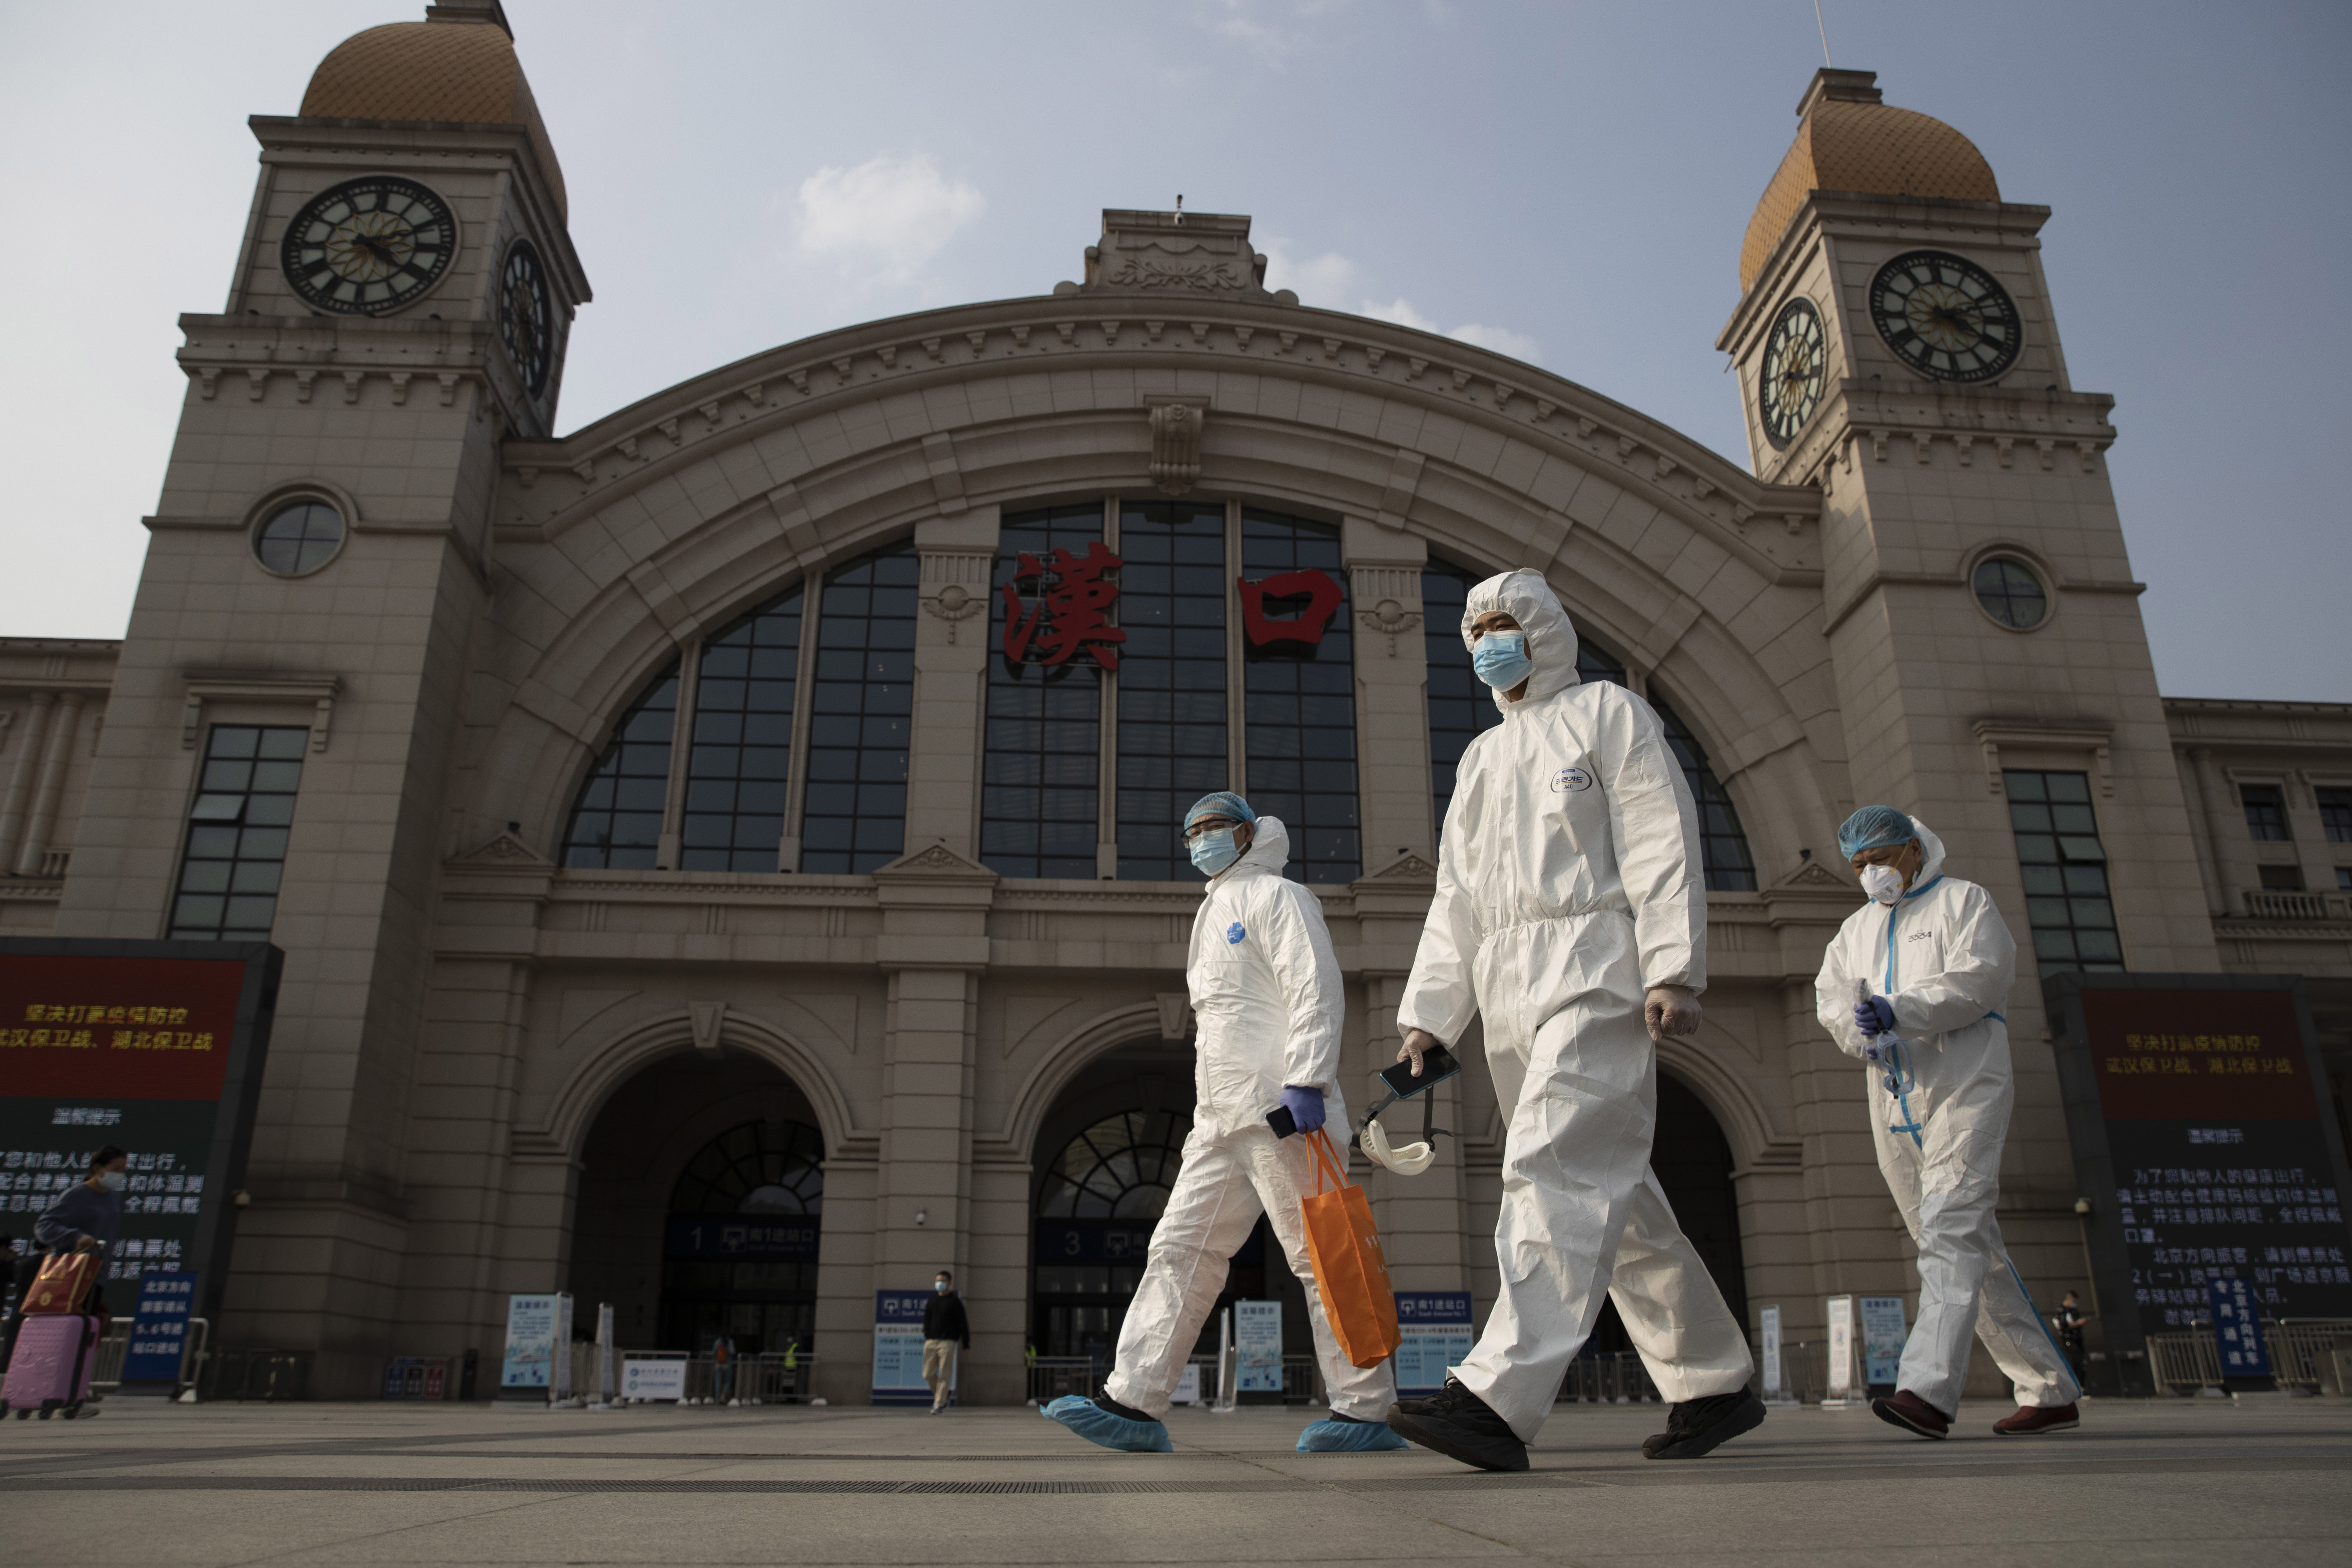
<point x="1225" y="802"/>
<point x="1875" y="828"/>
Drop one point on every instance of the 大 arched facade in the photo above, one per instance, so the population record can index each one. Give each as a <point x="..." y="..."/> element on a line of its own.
<point x="786" y="724"/>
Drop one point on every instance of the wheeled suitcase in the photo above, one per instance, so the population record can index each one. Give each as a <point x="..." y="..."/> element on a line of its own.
<point x="55" y="1352"/>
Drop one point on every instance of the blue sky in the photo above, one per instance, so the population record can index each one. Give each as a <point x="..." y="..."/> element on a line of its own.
<point x="1566" y="182"/>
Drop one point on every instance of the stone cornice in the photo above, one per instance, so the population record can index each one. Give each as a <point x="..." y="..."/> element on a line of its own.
<point x="893" y="362"/>
<point x="1951" y="425"/>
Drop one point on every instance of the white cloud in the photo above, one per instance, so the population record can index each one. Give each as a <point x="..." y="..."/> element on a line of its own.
<point x="1272" y="42"/>
<point x="1502" y="339"/>
<point x="887" y="217"/>
<point x="1317" y="281"/>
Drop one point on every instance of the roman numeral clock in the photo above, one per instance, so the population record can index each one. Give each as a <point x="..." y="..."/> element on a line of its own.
<point x="369" y="246"/>
<point x="1944" y="317"/>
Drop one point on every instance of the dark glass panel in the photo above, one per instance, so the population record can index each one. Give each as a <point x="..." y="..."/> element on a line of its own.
<point x="1299" y="705"/>
<point x="616" y="820"/>
<point x="863" y="707"/>
<point x="248" y="862"/>
<point x="1041" y="763"/>
<point x="729" y="829"/>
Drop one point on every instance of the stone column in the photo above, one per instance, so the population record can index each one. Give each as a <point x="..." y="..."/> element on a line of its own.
<point x="2224" y="830"/>
<point x="1391" y="677"/>
<point x="22" y="774"/>
<point x="934" y="946"/>
<point x="959" y="554"/>
<point x="56" y="756"/>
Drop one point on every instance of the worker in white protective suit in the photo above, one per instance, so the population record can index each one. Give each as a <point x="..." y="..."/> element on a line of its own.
<point x="1571" y="913"/>
<point x="1266" y="990"/>
<point x="1915" y="983"/>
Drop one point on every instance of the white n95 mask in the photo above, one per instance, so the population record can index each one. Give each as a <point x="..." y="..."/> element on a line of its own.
<point x="1881" y="883"/>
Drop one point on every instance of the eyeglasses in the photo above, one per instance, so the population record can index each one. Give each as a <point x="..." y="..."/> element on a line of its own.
<point x="1207" y="825"/>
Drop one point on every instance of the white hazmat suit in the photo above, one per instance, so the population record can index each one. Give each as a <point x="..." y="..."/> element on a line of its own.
<point x="1943" y="958"/>
<point x="1569" y="882"/>
<point x="1265" y="989"/>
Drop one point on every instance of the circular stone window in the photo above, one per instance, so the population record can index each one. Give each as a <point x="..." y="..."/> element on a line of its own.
<point x="2011" y="593"/>
<point x="300" y="537"/>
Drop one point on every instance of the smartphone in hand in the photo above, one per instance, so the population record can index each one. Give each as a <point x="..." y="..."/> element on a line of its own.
<point x="1437" y="1064"/>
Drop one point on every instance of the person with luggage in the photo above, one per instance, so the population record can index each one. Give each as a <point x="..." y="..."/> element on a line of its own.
<point x="1265" y="985"/>
<point x="61" y="1314"/>
<point x="1571" y="915"/>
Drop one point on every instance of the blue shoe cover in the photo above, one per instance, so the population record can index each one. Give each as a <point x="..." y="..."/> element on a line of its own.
<point x="1096" y="1425"/>
<point x="1349" y="1437"/>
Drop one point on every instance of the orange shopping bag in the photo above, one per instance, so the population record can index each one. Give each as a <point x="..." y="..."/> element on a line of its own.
<point x="1350" y="1272"/>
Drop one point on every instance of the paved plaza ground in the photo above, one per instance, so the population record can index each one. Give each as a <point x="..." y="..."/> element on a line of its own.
<point x="2144" y="1482"/>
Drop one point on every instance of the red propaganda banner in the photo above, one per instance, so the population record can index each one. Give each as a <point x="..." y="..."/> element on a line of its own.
<point x="1317" y="588"/>
<point x="127" y="1029"/>
<point x="2190" y="1056"/>
<point x="1071" y="609"/>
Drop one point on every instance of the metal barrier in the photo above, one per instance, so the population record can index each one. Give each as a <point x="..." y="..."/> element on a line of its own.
<point x="272" y="1375"/>
<point x="106" y="1371"/>
<point x="2303" y="1355"/>
<point x="1051" y="1376"/>
<point x="1618" y="1378"/>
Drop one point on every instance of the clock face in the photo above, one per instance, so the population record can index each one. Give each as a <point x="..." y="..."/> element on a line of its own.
<point x="1944" y="317"/>
<point x="368" y="246"/>
<point x="524" y="320"/>
<point x="1789" y="385"/>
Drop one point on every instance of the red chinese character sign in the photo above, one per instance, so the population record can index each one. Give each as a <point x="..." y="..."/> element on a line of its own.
<point x="1317" y="588"/>
<point x="1069" y="611"/>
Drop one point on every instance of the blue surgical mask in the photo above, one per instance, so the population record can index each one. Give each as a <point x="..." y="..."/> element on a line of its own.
<point x="941" y="1286"/>
<point x="1214" y="850"/>
<point x="1501" y="659"/>
<point x="113" y="1180"/>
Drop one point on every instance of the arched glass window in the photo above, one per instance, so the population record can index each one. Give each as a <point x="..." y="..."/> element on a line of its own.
<point x="616" y="823"/>
<point x="1460" y="704"/>
<point x="742" y="757"/>
<point x="1041" y="767"/>
<point x="758" y="1168"/>
<point x="1120" y="1168"/>
<point x="1300" y="695"/>
<point x="863" y="705"/>
<point x="1172" y="744"/>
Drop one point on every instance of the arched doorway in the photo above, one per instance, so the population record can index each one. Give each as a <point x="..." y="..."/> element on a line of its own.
<point x="1693" y="1165"/>
<point x="701" y="1204"/>
<point x="1106" y="1157"/>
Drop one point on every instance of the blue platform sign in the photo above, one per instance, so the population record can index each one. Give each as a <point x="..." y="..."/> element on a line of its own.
<point x="899" y="1347"/>
<point x="2238" y="1329"/>
<point x="159" y="1335"/>
<point x="778" y="1239"/>
<point x="1434" y="1332"/>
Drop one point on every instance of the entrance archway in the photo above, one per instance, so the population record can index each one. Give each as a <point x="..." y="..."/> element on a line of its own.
<point x="1694" y="1163"/>
<point x="1106" y="1155"/>
<point x="701" y="1204"/>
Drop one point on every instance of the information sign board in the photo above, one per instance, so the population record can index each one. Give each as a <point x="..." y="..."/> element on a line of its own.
<point x="1435" y="1334"/>
<point x="1841" y="1367"/>
<point x="653" y="1377"/>
<point x="159" y="1333"/>
<point x="156" y="1047"/>
<point x="2238" y="1333"/>
<point x="530" y="1342"/>
<point x="1257" y="1339"/>
<point x="1882" y="1341"/>
<point x="899" y="1348"/>
<point x="1767" y="1321"/>
<point x="2196" y="1105"/>
<point x="416" y="1377"/>
<point x="1188" y="1387"/>
<point x="781" y="1239"/>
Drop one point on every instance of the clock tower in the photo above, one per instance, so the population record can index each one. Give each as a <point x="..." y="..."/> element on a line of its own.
<point x="320" y="566"/>
<point x="1898" y="347"/>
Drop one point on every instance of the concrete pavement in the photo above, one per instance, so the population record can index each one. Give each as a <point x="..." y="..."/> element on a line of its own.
<point x="2144" y="1482"/>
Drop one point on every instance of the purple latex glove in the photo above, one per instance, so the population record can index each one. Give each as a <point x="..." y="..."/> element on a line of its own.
<point x="1306" y="1107"/>
<point x="1874" y="1017"/>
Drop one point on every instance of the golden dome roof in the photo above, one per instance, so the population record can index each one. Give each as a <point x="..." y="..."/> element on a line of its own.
<point x="450" y="71"/>
<point x="1849" y="140"/>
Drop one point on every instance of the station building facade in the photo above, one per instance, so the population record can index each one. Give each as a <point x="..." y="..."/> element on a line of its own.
<point x="725" y="855"/>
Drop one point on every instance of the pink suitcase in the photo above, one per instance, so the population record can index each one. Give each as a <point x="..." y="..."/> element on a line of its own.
<point x="55" y="1352"/>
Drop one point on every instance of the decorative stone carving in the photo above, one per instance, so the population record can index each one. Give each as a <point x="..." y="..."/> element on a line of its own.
<point x="1175" y="1015"/>
<point x="706" y="1019"/>
<point x="1390" y="618"/>
<point x="1176" y="425"/>
<point x="1152" y="253"/>
<point x="954" y="602"/>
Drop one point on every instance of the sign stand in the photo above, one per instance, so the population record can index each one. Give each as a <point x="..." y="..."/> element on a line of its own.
<point x="1775" y="1390"/>
<point x="1436" y="1334"/>
<point x="1883" y="1335"/>
<point x="1839" y="1394"/>
<point x="604" y="1380"/>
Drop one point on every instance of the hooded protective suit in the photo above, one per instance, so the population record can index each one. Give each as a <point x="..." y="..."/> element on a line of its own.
<point x="1569" y="882"/>
<point x="1265" y="989"/>
<point x="1943" y="958"/>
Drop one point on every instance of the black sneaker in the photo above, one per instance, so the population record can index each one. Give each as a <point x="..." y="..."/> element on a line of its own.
<point x="1460" y="1426"/>
<point x="1698" y="1427"/>
<point x="1103" y="1401"/>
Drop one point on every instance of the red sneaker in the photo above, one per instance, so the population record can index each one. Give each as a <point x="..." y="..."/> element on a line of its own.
<point x="1913" y="1414"/>
<point x="2030" y="1419"/>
